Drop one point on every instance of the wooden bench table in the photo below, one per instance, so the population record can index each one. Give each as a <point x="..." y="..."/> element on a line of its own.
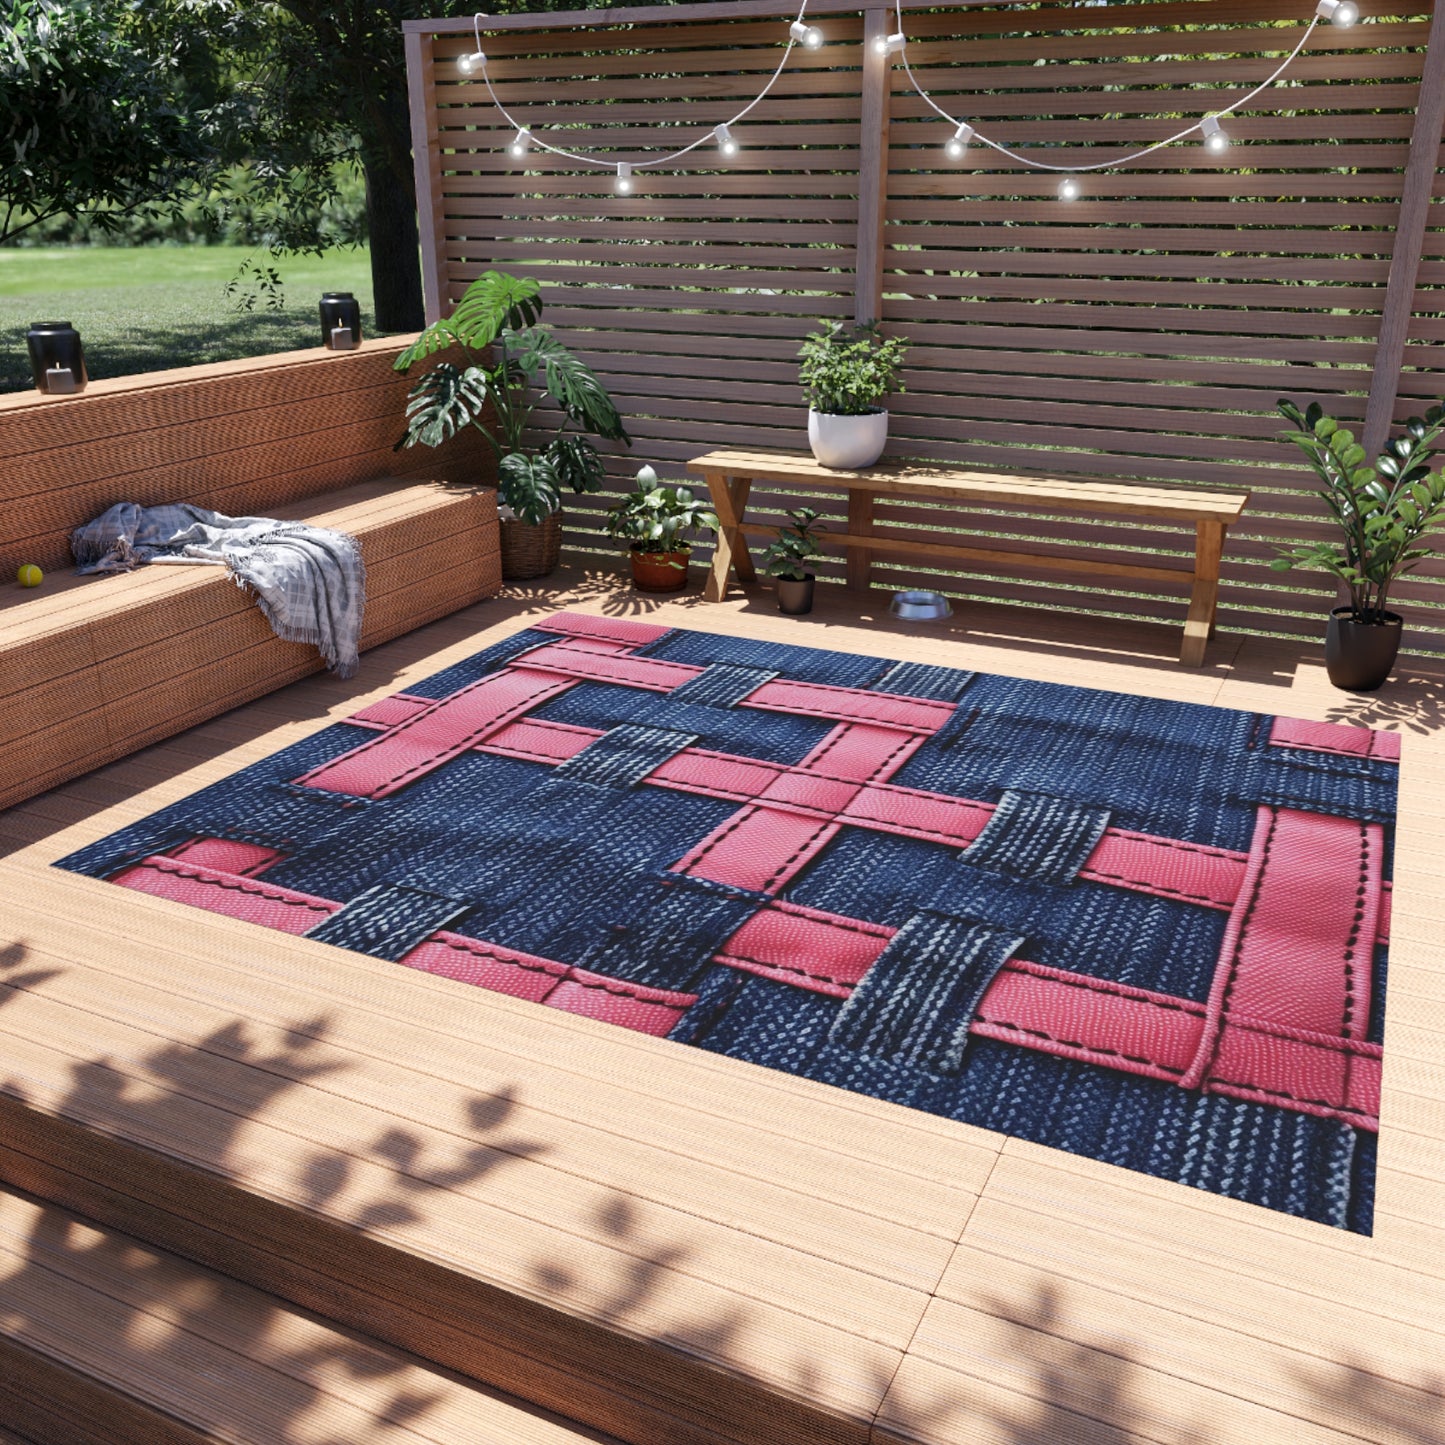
<point x="731" y="474"/>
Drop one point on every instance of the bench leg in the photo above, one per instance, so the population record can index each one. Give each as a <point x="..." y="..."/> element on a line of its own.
<point x="860" y="523"/>
<point x="1199" y="624"/>
<point x="729" y="501"/>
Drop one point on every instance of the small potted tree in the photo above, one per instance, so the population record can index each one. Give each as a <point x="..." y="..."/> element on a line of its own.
<point x="787" y="560"/>
<point x="847" y="372"/>
<point x="655" y="522"/>
<point x="1384" y="509"/>
<point x="498" y="395"/>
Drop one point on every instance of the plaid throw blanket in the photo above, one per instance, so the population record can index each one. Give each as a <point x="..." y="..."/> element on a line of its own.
<point x="309" y="582"/>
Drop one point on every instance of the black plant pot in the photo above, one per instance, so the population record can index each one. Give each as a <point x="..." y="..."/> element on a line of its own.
<point x="1359" y="655"/>
<point x="795" y="595"/>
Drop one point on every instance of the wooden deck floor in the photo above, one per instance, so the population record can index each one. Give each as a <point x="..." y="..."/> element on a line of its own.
<point x="674" y="1246"/>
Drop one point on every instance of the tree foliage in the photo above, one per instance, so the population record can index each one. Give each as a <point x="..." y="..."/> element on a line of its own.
<point x="92" y="114"/>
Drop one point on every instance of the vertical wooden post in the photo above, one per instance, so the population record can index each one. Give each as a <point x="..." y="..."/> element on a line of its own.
<point x="427" y="164"/>
<point x="1409" y="238"/>
<point x="872" y="168"/>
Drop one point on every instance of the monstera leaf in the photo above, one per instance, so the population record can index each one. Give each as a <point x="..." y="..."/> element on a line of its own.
<point x="442" y="402"/>
<point x="529" y="485"/>
<point x="494" y="302"/>
<point x="577" y="463"/>
<point x="568" y="381"/>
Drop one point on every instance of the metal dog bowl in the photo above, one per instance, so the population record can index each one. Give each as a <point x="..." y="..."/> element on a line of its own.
<point x="920" y="606"/>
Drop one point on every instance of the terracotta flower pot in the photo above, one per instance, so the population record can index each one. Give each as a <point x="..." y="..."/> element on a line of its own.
<point x="660" y="571"/>
<point x="1359" y="655"/>
<point x="795" y="595"/>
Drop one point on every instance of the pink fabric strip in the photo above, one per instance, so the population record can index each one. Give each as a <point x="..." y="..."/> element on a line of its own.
<point x="434" y="735"/>
<point x="1325" y="737"/>
<point x="615" y="629"/>
<point x="226" y="893"/>
<point x="1297" y="952"/>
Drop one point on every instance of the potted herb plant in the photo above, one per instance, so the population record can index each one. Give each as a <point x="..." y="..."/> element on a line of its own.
<point x="654" y="521"/>
<point x="1384" y="509"/>
<point x="498" y="394"/>
<point x="787" y="560"/>
<point x="847" y="372"/>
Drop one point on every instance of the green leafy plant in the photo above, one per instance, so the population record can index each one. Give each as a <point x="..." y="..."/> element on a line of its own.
<point x="1383" y="508"/>
<point x="656" y="519"/>
<point x="794" y="547"/>
<point x="498" y="395"/>
<point x="848" y="370"/>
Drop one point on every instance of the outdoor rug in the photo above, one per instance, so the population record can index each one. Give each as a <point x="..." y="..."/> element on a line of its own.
<point x="1148" y="932"/>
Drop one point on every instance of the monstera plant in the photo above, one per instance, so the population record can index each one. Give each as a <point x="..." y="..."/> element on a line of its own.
<point x="512" y="362"/>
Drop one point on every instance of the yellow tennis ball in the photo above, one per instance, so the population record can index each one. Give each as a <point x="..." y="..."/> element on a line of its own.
<point x="30" y="575"/>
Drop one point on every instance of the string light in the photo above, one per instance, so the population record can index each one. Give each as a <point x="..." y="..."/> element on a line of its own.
<point x="1068" y="189"/>
<point x="1215" y="140"/>
<point x="958" y="146"/>
<point x="799" y="33"/>
<point x="1341" y="12"/>
<point x="521" y="142"/>
<point x="478" y="60"/>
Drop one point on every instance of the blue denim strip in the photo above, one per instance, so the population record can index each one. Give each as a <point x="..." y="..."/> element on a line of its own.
<point x="387" y="920"/>
<point x="1037" y="837"/>
<point x="923" y="679"/>
<point x="915" y="1004"/>
<point x="675" y="925"/>
<point x="723" y="684"/>
<point x="1360" y="788"/>
<point x="624" y="756"/>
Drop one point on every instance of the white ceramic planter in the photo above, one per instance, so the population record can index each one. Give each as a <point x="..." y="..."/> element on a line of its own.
<point x="846" y="443"/>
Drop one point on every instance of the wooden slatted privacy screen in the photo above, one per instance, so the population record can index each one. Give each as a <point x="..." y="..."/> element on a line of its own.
<point x="1142" y="331"/>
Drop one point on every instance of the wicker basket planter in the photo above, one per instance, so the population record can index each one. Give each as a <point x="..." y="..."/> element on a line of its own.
<point x="530" y="549"/>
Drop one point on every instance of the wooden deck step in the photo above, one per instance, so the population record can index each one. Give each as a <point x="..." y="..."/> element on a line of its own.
<point x="105" y="1339"/>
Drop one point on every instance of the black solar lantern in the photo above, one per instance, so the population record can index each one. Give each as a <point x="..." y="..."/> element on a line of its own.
<point x="340" y="321"/>
<point x="57" y="359"/>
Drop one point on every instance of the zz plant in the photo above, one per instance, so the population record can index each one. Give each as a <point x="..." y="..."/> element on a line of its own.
<point x="1384" y="508"/>
<point x="791" y="552"/>
<point x="499" y="393"/>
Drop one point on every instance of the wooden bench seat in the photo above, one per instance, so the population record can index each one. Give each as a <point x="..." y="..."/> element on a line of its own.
<point x="96" y="667"/>
<point x="731" y="474"/>
<point x="108" y="1341"/>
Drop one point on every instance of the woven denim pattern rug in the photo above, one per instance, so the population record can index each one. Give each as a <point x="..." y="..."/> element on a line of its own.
<point x="1149" y="932"/>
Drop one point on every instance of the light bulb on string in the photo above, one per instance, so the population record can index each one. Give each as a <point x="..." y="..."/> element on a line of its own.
<point x="469" y="63"/>
<point x="807" y="35"/>
<point x="521" y="142"/>
<point x="890" y="44"/>
<point x="1068" y="189"/>
<point x="958" y="144"/>
<point x="725" y="141"/>
<point x="1215" y="140"/>
<point x="1343" y="13"/>
<point x="624" y="178"/>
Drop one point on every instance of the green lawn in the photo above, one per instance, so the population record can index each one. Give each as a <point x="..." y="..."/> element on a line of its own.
<point x="147" y="308"/>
